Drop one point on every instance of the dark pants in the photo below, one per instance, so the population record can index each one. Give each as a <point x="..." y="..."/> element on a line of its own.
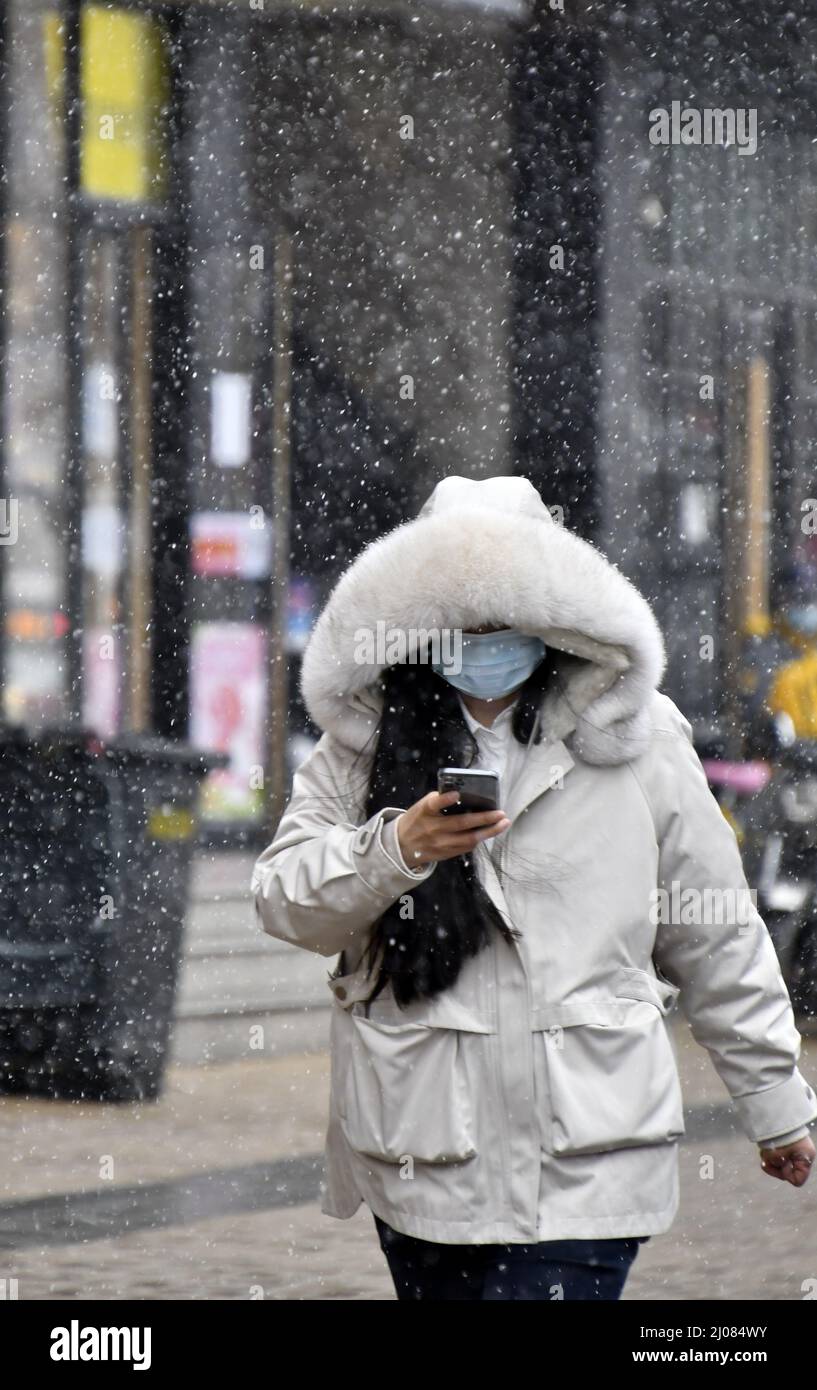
<point x="547" y="1271"/>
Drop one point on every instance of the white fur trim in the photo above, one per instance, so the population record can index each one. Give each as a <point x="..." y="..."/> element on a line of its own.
<point x="488" y="553"/>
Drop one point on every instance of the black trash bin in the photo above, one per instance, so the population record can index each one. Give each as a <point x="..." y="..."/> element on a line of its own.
<point x="96" y="842"/>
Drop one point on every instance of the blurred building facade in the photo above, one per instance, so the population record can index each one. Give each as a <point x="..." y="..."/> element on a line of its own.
<point x="326" y="254"/>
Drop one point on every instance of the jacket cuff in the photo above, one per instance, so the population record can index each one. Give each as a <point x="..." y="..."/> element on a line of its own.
<point x="376" y="856"/>
<point x="390" y="842"/>
<point x="779" y="1141"/>
<point x="778" y="1110"/>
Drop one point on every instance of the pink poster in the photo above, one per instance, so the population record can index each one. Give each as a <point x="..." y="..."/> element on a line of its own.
<point x="101" y="682"/>
<point x="227" y="685"/>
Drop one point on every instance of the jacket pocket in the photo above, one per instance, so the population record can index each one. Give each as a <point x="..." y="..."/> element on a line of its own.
<point x="402" y="1092"/>
<point x="611" y="1078"/>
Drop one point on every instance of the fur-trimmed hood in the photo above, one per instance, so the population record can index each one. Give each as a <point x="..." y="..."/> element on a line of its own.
<point x="490" y="552"/>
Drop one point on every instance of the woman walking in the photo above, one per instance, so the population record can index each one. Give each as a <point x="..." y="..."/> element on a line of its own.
<point x="504" y="1091"/>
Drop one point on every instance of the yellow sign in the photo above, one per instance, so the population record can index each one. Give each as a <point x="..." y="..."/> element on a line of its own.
<point x="169" y="823"/>
<point x="125" y="86"/>
<point x="794" y="692"/>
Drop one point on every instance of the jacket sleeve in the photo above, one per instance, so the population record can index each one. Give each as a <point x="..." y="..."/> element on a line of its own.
<point x="717" y="949"/>
<point x="326" y="878"/>
<point x="779" y="1141"/>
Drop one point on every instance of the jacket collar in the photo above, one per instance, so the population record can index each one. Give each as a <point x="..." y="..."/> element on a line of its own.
<point x="547" y="761"/>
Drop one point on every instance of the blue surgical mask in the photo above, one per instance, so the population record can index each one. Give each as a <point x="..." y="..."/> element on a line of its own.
<point x="493" y="663"/>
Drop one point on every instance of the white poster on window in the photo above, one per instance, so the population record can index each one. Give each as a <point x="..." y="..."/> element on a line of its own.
<point x="103" y="539"/>
<point x="100" y="410"/>
<point x="230" y="418"/>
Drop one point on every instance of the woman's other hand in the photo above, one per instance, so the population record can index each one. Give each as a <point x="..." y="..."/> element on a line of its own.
<point x="425" y="835"/>
<point x="792" y="1163"/>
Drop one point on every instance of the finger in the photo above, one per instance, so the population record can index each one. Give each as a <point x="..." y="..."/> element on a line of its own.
<point x="435" y="801"/>
<point x="792" y="1167"/>
<point x="452" y="846"/>
<point x="474" y="820"/>
<point x="472" y="838"/>
<point x="460" y="839"/>
<point x="491" y="830"/>
<point x="802" y="1171"/>
<point x="783" y="1170"/>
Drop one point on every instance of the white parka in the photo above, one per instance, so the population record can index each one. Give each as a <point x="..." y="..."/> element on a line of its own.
<point x="538" y="1098"/>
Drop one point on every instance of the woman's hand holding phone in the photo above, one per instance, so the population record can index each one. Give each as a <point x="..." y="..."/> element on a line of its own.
<point x="425" y="835"/>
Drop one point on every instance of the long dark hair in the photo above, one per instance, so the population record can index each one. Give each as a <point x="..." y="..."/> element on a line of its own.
<point x="452" y="917"/>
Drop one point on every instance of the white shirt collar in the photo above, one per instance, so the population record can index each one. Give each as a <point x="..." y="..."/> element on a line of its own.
<point x="499" y="726"/>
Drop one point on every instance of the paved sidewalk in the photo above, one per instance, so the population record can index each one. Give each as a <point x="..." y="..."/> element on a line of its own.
<point x="211" y="1193"/>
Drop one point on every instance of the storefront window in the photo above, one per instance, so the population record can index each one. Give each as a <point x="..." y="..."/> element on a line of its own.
<point x="34" y="380"/>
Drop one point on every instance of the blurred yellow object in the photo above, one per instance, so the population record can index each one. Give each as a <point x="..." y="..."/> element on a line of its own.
<point x="736" y="826"/>
<point x="125" y="90"/>
<point x="757" y="624"/>
<point x="170" y="823"/>
<point x="794" y="692"/>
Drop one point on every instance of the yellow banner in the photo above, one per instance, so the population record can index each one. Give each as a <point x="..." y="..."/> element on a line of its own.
<point x="170" y="823"/>
<point x="125" y="86"/>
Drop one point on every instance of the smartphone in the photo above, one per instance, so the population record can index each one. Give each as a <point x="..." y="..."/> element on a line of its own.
<point x="479" y="791"/>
